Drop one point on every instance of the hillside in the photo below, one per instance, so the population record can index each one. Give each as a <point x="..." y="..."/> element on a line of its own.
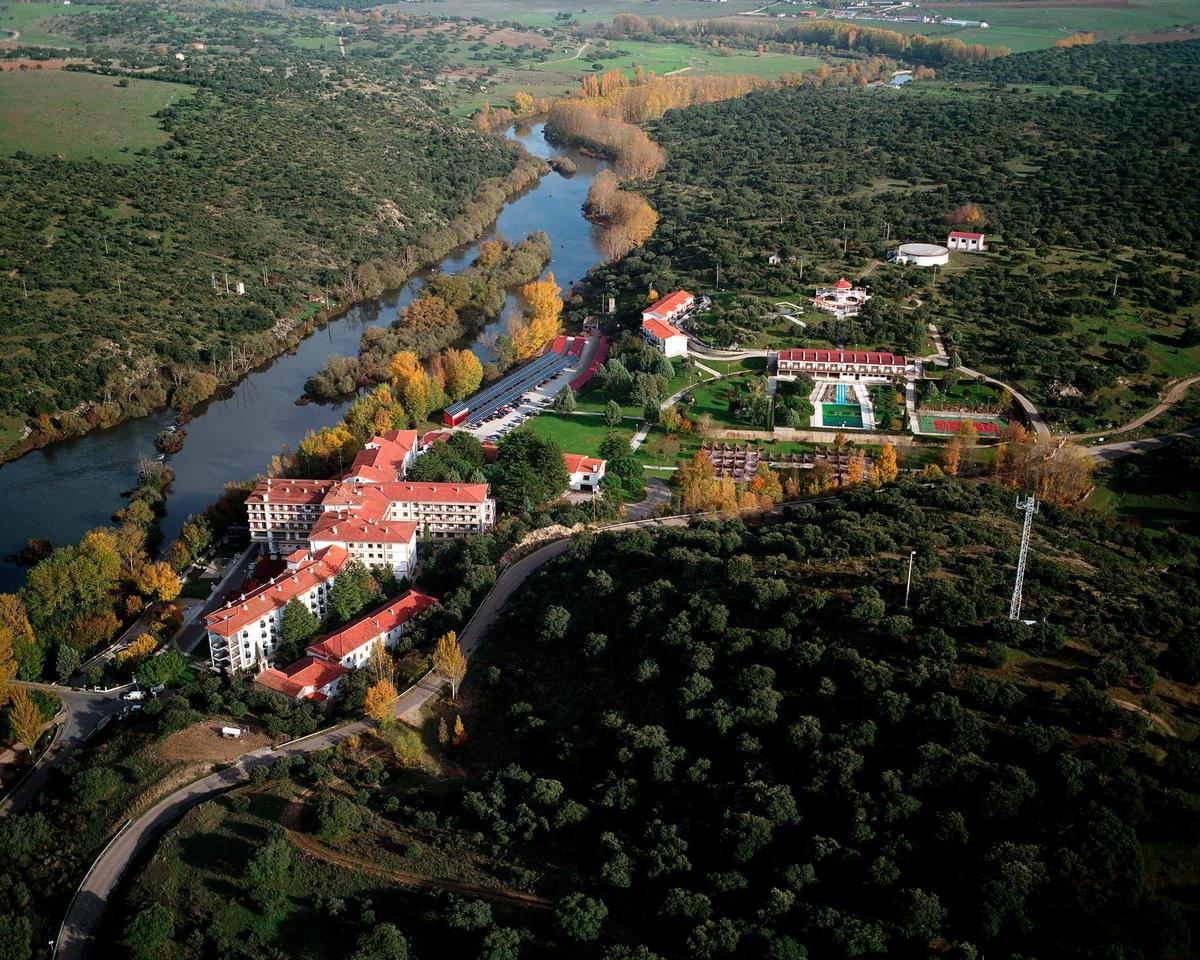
<point x="734" y="741"/>
<point x="1075" y="164"/>
<point x="129" y="214"/>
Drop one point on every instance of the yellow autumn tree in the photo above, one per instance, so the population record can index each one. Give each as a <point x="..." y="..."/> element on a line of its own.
<point x="378" y="702"/>
<point x="463" y="373"/>
<point x="449" y="662"/>
<point x="952" y="457"/>
<point x="139" y="648"/>
<point x="885" y="464"/>
<point x="522" y="103"/>
<point x="411" y="383"/>
<point x="24" y="717"/>
<point x="159" y="581"/>
<point x="542" y="302"/>
<point x="703" y="491"/>
<point x="856" y="468"/>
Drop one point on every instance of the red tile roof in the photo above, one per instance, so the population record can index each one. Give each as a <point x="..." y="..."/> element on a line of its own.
<point x="289" y="491"/>
<point x="660" y="329"/>
<point x="672" y="301"/>
<point x="342" y="527"/>
<point x="306" y="672"/>
<point x="843" y="284"/>
<point x="578" y="463"/>
<point x="365" y="630"/>
<point x="960" y="235"/>
<point x="382" y="458"/>
<point x="320" y="566"/>
<point x="843" y="356"/>
<point x="434" y="492"/>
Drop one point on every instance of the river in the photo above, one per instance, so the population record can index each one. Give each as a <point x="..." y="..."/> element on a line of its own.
<point x="62" y="491"/>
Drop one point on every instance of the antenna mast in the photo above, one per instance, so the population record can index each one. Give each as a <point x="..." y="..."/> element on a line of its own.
<point x="1030" y="506"/>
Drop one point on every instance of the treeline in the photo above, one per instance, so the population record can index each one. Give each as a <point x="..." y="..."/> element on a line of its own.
<point x="448" y="307"/>
<point x="834" y="34"/>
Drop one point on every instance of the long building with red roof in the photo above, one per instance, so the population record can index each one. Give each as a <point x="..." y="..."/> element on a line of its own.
<point x="309" y="678"/>
<point x="842" y="364"/>
<point x="670" y="308"/>
<point x="245" y="633"/>
<point x="351" y="645"/>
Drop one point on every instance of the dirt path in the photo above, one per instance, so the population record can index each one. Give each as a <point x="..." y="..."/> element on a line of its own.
<point x="1177" y="391"/>
<point x="314" y="848"/>
<point x="1153" y="717"/>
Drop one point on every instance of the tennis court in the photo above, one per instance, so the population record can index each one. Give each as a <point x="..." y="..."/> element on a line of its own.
<point x="949" y="425"/>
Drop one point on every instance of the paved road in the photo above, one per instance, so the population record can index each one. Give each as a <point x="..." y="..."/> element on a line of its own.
<point x="1128" y="448"/>
<point x="658" y="494"/>
<point x="85" y="712"/>
<point x="193" y="632"/>
<point x="1032" y="412"/>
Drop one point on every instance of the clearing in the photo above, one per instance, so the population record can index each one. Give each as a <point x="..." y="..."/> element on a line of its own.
<point x="82" y="115"/>
<point x="203" y="741"/>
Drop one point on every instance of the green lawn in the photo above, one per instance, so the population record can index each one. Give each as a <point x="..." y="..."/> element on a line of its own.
<point x="82" y="115"/>
<point x="576" y="433"/>
<point x="1157" y="496"/>
<point x="35" y="21"/>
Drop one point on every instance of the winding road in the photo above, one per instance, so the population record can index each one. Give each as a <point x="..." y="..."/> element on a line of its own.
<point x="86" y="711"/>
<point x="76" y="938"/>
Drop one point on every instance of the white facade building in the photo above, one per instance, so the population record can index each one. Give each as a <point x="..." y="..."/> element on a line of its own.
<point x="586" y="472"/>
<point x="966" y="242"/>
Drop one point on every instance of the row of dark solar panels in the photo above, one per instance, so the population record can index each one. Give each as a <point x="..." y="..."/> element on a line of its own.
<point x="474" y="409"/>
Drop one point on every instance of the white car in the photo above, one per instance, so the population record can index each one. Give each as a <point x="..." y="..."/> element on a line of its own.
<point x="134" y="695"/>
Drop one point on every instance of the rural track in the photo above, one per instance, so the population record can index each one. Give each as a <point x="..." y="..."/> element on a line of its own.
<point x="314" y="848"/>
<point x="1176" y="392"/>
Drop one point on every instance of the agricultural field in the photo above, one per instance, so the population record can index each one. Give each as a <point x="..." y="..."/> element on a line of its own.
<point x="35" y="24"/>
<point x="1032" y="26"/>
<point x="546" y="12"/>
<point x="81" y="116"/>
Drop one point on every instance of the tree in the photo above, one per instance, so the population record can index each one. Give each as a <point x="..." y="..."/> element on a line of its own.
<point x="460" y="731"/>
<point x="66" y="661"/>
<point x="449" y="662"/>
<point x="16" y="633"/>
<point x="351" y="591"/>
<point x="297" y="625"/>
<point x="612" y="413"/>
<point x="385" y="942"/>
<point x="856" y="468"/>
<point x="580" y="917"/>
<point x="952" y="457"/>
<point x="529" y="470"/>
<point x="158" y="581"/>
<point x="8" y="662"/>
<point x="24" y="717"/>
<point x="378" y="704"/>
<point x="564" y="400"/>
<point x="885" y="464"/>
<point x="381" y="665"/>
<point x="149" y="930"/>
<point x="165" y="668"/>
<point x="337" y="816"/>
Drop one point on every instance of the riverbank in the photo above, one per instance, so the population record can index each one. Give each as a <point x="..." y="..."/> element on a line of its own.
<point x="477" y="216"/>
<point x="60" y="492"/>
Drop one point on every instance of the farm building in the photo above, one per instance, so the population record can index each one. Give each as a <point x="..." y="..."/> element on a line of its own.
<point x="967" y="242"/>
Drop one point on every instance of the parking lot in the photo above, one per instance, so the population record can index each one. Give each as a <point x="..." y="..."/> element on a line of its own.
<point x="498" y="425"/>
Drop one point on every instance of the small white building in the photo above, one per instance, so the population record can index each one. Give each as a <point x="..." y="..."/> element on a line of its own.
<point x="586" y="472"/>
<point x="966" y="242"/>
<point x="671" y="341"/>
<point x="921" y="254"/>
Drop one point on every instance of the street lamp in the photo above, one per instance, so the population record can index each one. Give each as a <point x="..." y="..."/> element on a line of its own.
<point x="908" y="586"/>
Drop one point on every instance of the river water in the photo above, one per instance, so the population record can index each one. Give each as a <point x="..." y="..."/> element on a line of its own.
<point x="64" y="490"/>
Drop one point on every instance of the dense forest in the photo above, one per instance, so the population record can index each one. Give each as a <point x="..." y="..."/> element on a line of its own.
<point x="733" y="740"/>
<point x="1076" y="190"/>
<point x="278" y="173"/>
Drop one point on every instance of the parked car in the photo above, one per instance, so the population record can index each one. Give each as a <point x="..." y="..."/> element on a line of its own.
<point x="134" y="695"/>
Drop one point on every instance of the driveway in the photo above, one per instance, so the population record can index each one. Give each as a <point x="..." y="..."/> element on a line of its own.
<point x="85" y="712"/>
<point x="1129" y="448"/>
